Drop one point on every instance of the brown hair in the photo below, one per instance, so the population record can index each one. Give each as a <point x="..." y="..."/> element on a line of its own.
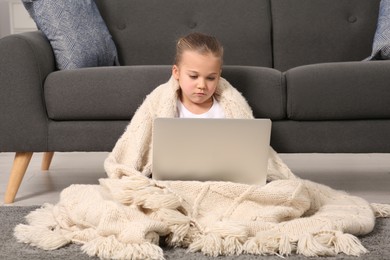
<point x="199" y="42"/>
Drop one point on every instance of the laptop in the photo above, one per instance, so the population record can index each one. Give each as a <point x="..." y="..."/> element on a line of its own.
<point x="234" y="150"/>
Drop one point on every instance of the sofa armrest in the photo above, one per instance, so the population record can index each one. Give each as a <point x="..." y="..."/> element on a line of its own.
<point x="25" y="61"/>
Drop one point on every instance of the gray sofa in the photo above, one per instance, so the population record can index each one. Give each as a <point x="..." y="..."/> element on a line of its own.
<point x="298" y="62"/>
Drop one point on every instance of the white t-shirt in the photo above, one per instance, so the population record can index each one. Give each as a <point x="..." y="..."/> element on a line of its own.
<point x="215" y="111"/>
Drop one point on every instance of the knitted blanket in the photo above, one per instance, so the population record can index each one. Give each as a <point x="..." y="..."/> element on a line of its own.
<point x="128" y="213"/>
<point x="125" y="218"/>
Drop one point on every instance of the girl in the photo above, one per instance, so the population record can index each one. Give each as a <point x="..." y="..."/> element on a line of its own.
<point x="195" y="89"/>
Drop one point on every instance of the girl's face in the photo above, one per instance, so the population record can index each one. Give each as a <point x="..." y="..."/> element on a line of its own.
<point x="198" y="76"/>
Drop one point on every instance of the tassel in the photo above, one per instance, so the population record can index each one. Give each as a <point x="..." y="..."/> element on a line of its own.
<point x="381" y="210"/>
<point x="309" y="246"/>
<point x="348" y="244"/>
<point x="196" y="244"/>
<point x="178" y="234"/>
<point x="110" y="248"/>
<point x="156" y="198"/>
<point x="192" y="233"/>
<point x="209" y="244"/>
<point x="222" y="238"/>
<point x="264" y="243"/>
<point x="178" y="224"/>
<point x="102" y="247"/>
<point x="43" y="230"/>
<point x="285" y="246"/>
<point x="40" y="237"/>
<point x="270" y="243"/>
<point x="233" y="235"/>
<point x="141" y="191"/>
<point x="232" y="246"/>
<point x="123" y="189"/>
<point x="212" y="245"/>
<point x="42" y="217"/>
<point x="251" y="247"/>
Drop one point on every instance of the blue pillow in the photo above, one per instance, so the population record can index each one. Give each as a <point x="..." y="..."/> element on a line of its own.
<point x="76" y="31"/>
<point x="381" y="45"/>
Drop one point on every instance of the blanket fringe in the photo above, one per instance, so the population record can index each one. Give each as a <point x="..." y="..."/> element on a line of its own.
<point x="269" y="243"/>
<point x="110" y="248"/>
<point x="224" y="238"/>
<point x="40" y="237"/>
<point x="214" y="245"/>
<point x="232" y="246"/>
<point x="285" y="245"/>
<point x="309" y="246"/>
<point x="42" y="230"/>
<point x="209" y="244"/>
<point x="348" y="244"/>
<point x="178" y="225"/>
<point x="330" y="243"/>
<point x="381" y="210"/>
<point x="325" y="243"/>
<point x="42" y="216"/>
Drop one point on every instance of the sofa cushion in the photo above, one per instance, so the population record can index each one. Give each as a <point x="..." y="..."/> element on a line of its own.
<point x="339" y="91"/>
<point x="76" y="31"/>
<point x="381" y="45"/>
<point x="263" y="88"/>
<point x="152" y="27"/>
<point x="115" y="93"/>
<point x="316" y="31"/>
<point x="110" y="93"/>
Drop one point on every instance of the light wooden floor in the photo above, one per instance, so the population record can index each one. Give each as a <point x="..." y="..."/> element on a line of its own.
<point x="364" y="175"/>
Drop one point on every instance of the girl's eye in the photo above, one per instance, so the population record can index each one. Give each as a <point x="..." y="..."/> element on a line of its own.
<point x="211" y="78"/>
<point x="193" y="77"/>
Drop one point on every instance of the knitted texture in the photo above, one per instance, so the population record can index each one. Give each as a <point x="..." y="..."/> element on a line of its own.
<point x="125" y="216"/>
<point x="132" y="153"/>
<point x="124" y="219"/>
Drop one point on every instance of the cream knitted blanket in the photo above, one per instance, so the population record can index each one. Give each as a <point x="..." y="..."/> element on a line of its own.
<point x="126" y="215"/>
<point x="124" y="219"/>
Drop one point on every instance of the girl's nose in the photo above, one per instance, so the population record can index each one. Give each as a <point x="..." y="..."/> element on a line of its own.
<point x="202" y="84"/>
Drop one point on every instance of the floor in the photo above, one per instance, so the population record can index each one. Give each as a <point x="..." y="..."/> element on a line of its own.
<point x="364" y="175"/>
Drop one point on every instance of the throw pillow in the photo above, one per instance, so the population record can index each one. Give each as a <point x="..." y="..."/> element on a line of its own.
<point x="381" y="45"/>
<point x="76" y="31"/>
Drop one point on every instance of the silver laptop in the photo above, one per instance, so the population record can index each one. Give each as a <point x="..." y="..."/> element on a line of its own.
<point x="234" y="150"/>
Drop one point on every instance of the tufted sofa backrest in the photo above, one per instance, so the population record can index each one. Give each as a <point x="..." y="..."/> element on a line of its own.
<point x="280" y="34"/>
<point x="318" y="31"/>
<point x="145" y="31"/>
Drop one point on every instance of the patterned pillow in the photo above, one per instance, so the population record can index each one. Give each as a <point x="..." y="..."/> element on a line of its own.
<point x="76" y="31"/>
<point x="381" y="45"/>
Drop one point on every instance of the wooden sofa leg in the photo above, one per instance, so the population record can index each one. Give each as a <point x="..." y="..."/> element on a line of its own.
<point x="21" y="161"/>
<point x="46" y="161"/>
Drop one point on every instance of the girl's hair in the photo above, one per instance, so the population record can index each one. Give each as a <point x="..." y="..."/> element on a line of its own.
<point x="199" y="42"/>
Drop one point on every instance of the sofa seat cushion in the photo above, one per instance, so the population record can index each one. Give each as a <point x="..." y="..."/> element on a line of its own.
<point x="339" y="91"/>
<point x="114" y="93"/>
<point x="104" y="93"/>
